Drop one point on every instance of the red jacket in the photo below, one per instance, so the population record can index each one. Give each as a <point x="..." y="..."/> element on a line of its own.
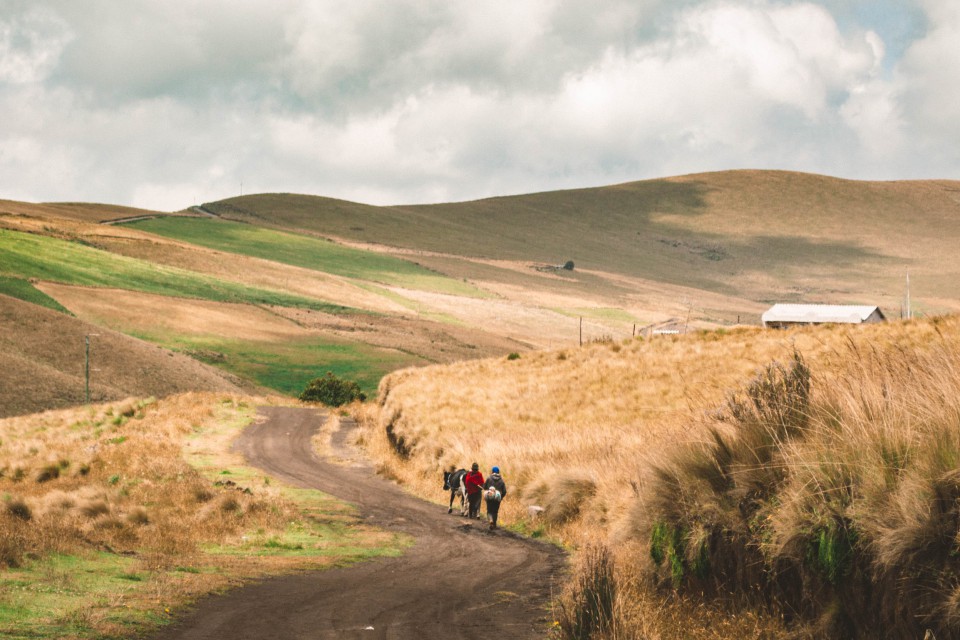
<point x="474" y="482"/>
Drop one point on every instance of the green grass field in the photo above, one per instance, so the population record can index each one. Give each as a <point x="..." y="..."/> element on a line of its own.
<point x="287" y="366"/>
<point x="26" y="255"/>
<point x="23" y="290"/>
<point x="305" y="251"/>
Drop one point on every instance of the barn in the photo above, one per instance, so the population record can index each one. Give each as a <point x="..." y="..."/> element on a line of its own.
<point x="781" y="316"/>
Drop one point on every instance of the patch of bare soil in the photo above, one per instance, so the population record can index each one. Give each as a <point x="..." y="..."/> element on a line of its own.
<point x="459" y="580"/>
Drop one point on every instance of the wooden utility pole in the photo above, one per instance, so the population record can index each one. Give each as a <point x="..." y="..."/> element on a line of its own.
<point x="581" y="331"/>
<point x="86" y="369"/>
<point x="86" y="366"/>
<point x="909" y="313"/>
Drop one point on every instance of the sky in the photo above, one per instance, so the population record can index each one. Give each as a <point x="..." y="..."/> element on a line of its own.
<point x="164" y="104"/>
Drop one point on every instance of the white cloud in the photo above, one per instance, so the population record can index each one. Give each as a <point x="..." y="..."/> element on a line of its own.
<point x="149" y="102"/>
<point x="30" y="45"/>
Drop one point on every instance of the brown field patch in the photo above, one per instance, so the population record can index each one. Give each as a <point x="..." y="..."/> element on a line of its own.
<point x="430" y="340"/>
<point x="149" y="314"/>
<point x="81" y="211"/>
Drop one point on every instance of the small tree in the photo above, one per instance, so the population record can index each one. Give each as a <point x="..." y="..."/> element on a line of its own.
<point x="332" y="391"/>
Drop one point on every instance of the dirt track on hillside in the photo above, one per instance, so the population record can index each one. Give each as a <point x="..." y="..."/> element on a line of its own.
<point x="459" y="580"/>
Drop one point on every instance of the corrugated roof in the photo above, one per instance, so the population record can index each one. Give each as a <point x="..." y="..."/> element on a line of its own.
<point x="818" y="313"/>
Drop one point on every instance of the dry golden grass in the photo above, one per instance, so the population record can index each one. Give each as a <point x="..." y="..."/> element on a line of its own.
<point x="587" y="434"/>
<point x="135" y="312"/>
<point x="595" y="413"/>
<point x="112" y="477"/>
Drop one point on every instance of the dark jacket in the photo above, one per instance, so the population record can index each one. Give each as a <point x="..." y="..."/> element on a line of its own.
<point x="496" y="480"/>
<point x="473" y="482"/>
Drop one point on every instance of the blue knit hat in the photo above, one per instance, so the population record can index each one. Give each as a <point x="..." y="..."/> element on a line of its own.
<point x="496" y="470"/>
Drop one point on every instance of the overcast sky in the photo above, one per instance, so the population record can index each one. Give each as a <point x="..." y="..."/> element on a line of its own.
<point x="167" y="103"/>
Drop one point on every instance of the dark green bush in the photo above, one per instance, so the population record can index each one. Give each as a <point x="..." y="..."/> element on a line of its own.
<point x="332" y="391"/>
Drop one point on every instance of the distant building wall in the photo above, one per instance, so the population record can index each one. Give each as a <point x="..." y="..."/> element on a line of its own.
<point x="780" y="316"/>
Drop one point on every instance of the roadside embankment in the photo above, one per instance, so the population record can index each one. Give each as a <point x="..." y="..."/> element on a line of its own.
<point x="818" y="492"/>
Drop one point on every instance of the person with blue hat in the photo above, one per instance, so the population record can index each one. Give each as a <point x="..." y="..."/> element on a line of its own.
<point x="494" y="490"/>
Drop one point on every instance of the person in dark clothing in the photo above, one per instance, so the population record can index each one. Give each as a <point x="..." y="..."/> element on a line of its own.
<point x="473" y="481"/>
<point x="495" y="490"/>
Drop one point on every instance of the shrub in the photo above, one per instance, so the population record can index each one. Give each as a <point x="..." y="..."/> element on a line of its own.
<point x="332" y="391"/>
<point x="19" y="509"/>
<point x="47" y="473"/>
<point x="513" y="356"/>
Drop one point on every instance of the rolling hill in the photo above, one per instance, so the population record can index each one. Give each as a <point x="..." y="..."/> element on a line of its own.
<point x="758" y="235"/>
<point x="279" y="288"/>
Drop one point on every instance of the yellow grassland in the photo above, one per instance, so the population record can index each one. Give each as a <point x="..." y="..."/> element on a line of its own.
<point x="591" y="413"/>
<point x="579" y="432"/>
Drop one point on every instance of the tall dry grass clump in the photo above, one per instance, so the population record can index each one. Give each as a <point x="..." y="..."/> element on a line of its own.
<point x="832" y="497"/>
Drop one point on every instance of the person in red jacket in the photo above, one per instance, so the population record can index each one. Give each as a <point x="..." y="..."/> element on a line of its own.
<point x="473" y="481"/>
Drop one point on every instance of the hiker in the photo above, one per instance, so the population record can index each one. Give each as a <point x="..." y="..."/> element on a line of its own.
<point x="494" y="490"/>
<point x="473" y="481"/>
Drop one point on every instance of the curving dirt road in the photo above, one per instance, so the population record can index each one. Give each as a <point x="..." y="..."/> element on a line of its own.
<point x="459" y="580"/>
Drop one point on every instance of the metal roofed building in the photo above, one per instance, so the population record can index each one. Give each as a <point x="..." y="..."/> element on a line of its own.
<point x="781" y="316"/>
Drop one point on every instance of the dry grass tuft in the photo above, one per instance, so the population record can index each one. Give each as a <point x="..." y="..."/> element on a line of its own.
<point x="19" y="509"/>
<point x="94" y="508"/>
<point x="587" y="610"/>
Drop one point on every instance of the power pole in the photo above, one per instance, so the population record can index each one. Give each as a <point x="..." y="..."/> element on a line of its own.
<point x="909" y="313"/>
<point x="86" y="366"/>
<point x="581" y="331"/>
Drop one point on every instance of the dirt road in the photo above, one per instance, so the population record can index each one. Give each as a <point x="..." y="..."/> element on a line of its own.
<point x="459" y="580"/>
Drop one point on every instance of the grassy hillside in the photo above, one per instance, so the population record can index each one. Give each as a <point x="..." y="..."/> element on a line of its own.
<point x="42" y="354"/>
<point x="822" y="489"/>
<point x="23" y="290"/>
<point x="760" y="235"/>
<point x="33" y="256"/>
<point x="303" y="251"/>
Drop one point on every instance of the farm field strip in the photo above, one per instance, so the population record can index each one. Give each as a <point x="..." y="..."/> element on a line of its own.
<point x="251" y="342"/>
<point x="305" y="251"/>
<point x="45" y="258"/>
